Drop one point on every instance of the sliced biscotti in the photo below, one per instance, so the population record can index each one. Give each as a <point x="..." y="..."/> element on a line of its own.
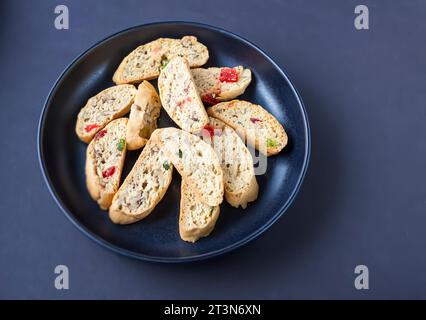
<point x="196" y="219"/>
<point x="253" y="123"/>
<point x="144" y="186"/>
<point x="109" y="104"/>
<point x="146" y="61"/>
<point x="180" y="97"/>
<point x="196" y="162"/>
<point x="221" y="84"/>
<point x="104" y="162"/>
<point x="236" y="161"/>
<point x="143" y="116"/>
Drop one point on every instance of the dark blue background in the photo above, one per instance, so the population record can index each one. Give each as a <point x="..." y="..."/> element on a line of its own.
<point x="364" y="197"/>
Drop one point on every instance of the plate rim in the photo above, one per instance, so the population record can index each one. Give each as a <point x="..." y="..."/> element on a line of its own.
<point x="151" y="258"/>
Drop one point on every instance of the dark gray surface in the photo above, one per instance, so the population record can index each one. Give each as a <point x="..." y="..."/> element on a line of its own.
<point x="363" y="200"/>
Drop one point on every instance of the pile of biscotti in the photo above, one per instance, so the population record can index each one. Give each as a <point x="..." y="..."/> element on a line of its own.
<point x="209" y="150"/>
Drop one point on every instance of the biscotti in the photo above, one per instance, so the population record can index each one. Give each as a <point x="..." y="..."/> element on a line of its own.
<point x="109" y="104"/>
<point x="196" y="219"/>
<point x="104" y="162"/>
<point x="221" y="84"/>
<point x="146" y="61"/>
<point x="143" y="116"/>
<point x="236" y="161"/>
<point x="180" y="97"/>
<point x="196" y="162"/>
<point x="144" y="186"/>
<point x="253" y="123"/>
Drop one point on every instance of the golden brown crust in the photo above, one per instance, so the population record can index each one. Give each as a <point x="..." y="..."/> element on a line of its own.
<point x="179" y="96"/>
<point x="237" y="164"/>
<point x="143" y="116"/>
<point x="208" y="82"/>
<point x="145" y="62"/>
<point x="243" y="198"/>
<point x="190" y="208"/>
<point x="253" y="123"/>
<point x="196" y="162"/>
<point x="147" y="172"/>
<point x="109" y="104"/>
<point x="100" y="192"/>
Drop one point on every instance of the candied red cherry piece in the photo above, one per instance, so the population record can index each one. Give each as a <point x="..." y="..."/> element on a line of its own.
<point x="90" y="127"/>
<point x="254" y="120"/>
<point x="108" y="172"/>
<point x="228" y="75"/>
<point x="209" y="98"/>
<point x="101" y="134"/>
<point x="209" y="130"/>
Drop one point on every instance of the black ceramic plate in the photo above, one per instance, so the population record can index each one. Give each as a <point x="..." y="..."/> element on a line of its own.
<point x="156" y="238"/>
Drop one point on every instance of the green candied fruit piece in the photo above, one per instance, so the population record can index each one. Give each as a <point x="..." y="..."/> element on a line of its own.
<point x="270" y="143"/>
<point x="121" y="144"/>
<point x="164" y="63"/>
<point x="166" y="165"/>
